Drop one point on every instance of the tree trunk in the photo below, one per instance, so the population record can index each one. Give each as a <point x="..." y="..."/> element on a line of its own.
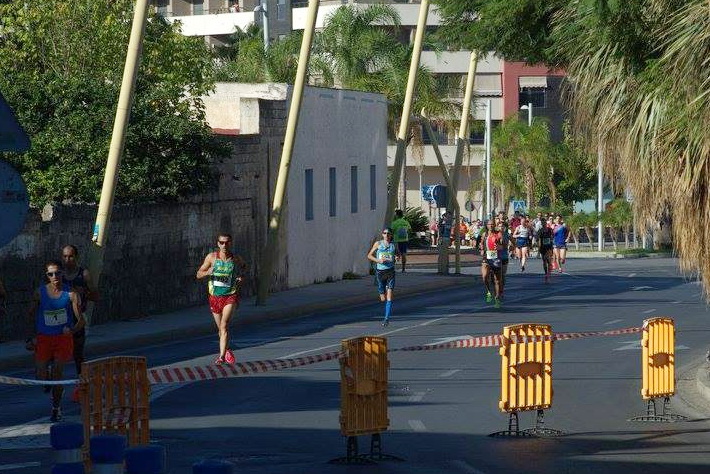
<point x="590" y="236"/>
<point x="612" y="234"/>
<point x="575" y="237"/>
<point x="529" y="188"/>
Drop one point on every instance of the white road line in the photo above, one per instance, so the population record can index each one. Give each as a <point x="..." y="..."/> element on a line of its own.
<point x="11" y="467"/>
<point x="631" y="275"/>
<point x="641" y="288"/>
<point x="417" y="425"/>
<point x="609" y="323"/>
<point x="649" y="311"/>
<point x="449" y="373"/>
<point x="465" y="467"/>
<point x="676" y="302"/>
<point x="417" y="397"/>
<point x="629" y="346"/>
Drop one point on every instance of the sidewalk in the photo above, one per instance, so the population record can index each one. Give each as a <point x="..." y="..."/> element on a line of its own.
<point x="297" y="302"/>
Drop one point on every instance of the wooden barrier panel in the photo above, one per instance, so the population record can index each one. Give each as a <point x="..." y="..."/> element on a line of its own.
<point x="658" y="358"/>
<point x="526" y="368"/>
<point x="114" y="395"/>
<point x="363" y="387"/>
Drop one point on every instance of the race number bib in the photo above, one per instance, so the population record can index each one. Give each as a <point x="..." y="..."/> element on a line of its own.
<point x="491" y="254"/>
<point x="386" y="256"/>
<point x="546" y="241"/>
<point x="55" y="317"/>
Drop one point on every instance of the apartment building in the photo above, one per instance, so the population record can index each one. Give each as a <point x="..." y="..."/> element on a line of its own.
<point x="508" y="86"/>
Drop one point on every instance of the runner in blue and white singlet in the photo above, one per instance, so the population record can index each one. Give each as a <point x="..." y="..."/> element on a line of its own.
<point x="383" y="254"/>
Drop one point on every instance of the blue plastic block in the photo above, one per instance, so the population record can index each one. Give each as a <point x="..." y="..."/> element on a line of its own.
<point x="69" y="468"/>
<point x="145" y="460"/>
<point x="107" y="449"/>
<point x="66" y="435"/>
<point x="212" y="466"/>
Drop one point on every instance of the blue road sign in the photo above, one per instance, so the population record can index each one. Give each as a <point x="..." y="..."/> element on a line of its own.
<point x="14" y="203"/>
<point x="519" y="206"/>
<point x="12" y="136"/>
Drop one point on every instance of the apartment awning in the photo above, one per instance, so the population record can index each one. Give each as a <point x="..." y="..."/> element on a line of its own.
<point x="532" y="82"/>
<point x="488" y="85"/>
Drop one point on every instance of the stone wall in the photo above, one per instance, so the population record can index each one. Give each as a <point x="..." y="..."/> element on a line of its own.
<point x="154" y="249"/>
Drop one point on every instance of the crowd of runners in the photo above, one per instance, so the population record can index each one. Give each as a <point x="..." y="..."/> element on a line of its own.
<point x="502" y="238"/>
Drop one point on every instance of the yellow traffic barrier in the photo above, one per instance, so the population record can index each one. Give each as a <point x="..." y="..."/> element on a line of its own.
<point x="363" y="397"/>
<point x="526" y="376"/>
<point x="658" y="368"/>
<point x="114" y="396"/>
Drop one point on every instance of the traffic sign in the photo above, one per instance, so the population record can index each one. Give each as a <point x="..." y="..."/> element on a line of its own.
<point x="14" y="203"/>
<point x="469" y="206"/>
<point x="519" y="206"/>
<point x="12" y="136"/>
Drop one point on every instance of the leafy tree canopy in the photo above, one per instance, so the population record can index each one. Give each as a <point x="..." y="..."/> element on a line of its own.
<point x="63" y="68"/>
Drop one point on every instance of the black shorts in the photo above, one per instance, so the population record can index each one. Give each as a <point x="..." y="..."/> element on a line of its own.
<point x="545" y="248"/>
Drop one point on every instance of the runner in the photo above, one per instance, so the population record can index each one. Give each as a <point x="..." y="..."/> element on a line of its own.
<point x="491" y="266"/>
<point x="383" y="253"/>
<point x="223" y="269"/>
<point x="521" y="236"/>
<point x="401" y="229"/>
<point x="51" y="310"/>
<point x="560" y="239"/>
<point x="544" y="239"/>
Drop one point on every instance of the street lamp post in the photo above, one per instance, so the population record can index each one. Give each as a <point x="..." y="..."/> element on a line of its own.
<point x="488" y="159"/>
<point x="265" y="19"/>
<point x="529" y="108"/>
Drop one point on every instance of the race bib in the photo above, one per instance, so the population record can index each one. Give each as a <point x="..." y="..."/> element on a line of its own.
<point x="386" y="256"/>
<point x="219" y="280"/>
<point x="491" y="254"/>
<point x="55" y="317"/>
<point x="546" y="241"/>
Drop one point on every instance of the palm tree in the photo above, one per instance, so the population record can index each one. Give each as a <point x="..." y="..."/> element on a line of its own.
<point x="640" y="78"/>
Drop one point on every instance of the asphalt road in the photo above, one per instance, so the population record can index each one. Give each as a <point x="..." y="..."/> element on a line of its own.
<point x="442" y="404"/>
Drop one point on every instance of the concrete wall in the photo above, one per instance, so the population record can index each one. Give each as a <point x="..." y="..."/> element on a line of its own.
<point x="338" y="129"/>
<point x="154" y="249"/>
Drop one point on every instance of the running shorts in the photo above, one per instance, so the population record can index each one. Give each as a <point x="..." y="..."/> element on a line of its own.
<point x="58" y="347"/>
<point x="385" y="280"/>
<point x="217" y="303"/>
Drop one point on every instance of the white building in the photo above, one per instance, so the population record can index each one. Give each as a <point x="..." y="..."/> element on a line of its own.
<point x="336" y="192"/>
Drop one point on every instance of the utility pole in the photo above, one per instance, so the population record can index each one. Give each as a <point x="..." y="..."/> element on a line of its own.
<point x="272" y="238"/>
<point x="488" y="159"/>
<point x="118" y="138"/>
<point x="406" y="112"/>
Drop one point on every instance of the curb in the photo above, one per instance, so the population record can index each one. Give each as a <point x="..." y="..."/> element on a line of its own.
<point x="204" y="326"/>
<point x="702" y="382"/>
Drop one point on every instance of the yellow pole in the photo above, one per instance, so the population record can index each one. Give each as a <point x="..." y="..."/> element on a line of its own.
<point x="118" y="138"/>
<point x="272" y="238"/>
<point x="461" y="142"/>
<point x="406" y="111"/>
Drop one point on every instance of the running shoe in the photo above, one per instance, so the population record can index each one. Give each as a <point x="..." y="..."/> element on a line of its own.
<point x="385" y="322"/>
<point x="56" y="415"/>
<point x="229" y="357"/>
<point x="218" y="361"/>
<point x="496" y="304"/>
<point x="522" y="268"/>
<point x="489" y="297"/>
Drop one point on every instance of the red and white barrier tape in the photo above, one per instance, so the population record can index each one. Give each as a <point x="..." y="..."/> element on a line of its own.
<point x="212" y="372"/>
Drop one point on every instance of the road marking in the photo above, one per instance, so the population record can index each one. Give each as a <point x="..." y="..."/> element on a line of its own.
<point x="649" y="311"/>
<point x="31" y="435"/>
<point x="417" y="397"/>
<point x="631" y="275"/>
<point x="682" y="348"/>
<point x="449" y="373"/>
<point x="417" y="425"/>
<point x="10" y="467"/>
<point x="443" y="340"/>
<point x="676" y="302"/>
<point x="609" y="323"/>
<point x="629" y="346"/>
<point x="641" y="288"/>
<point x="466" y="467"/>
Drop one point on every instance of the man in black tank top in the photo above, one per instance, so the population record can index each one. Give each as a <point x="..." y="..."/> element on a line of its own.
<point x="79" y="280"/>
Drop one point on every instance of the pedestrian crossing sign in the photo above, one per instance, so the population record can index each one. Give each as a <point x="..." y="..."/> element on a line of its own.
<point x="519" y="206"/>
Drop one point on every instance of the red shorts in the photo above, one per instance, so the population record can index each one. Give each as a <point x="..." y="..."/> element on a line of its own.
<point x="217" y="303"/>
<point x="59" y="348"/>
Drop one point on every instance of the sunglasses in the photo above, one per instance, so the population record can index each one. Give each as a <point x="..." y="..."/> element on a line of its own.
<point x="51" y="274"/>
<point x="222" y="242"/>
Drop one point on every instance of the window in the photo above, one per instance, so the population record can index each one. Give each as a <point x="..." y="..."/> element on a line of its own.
<point x="373" y="187"/>
<point x="309" y="194"/>
<point x="535" y="95"/>
<point x="332" y="191"/>
<point x="281" y="10"/>
<point x="353" y="189"/>
<point x="197" y="7"/>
